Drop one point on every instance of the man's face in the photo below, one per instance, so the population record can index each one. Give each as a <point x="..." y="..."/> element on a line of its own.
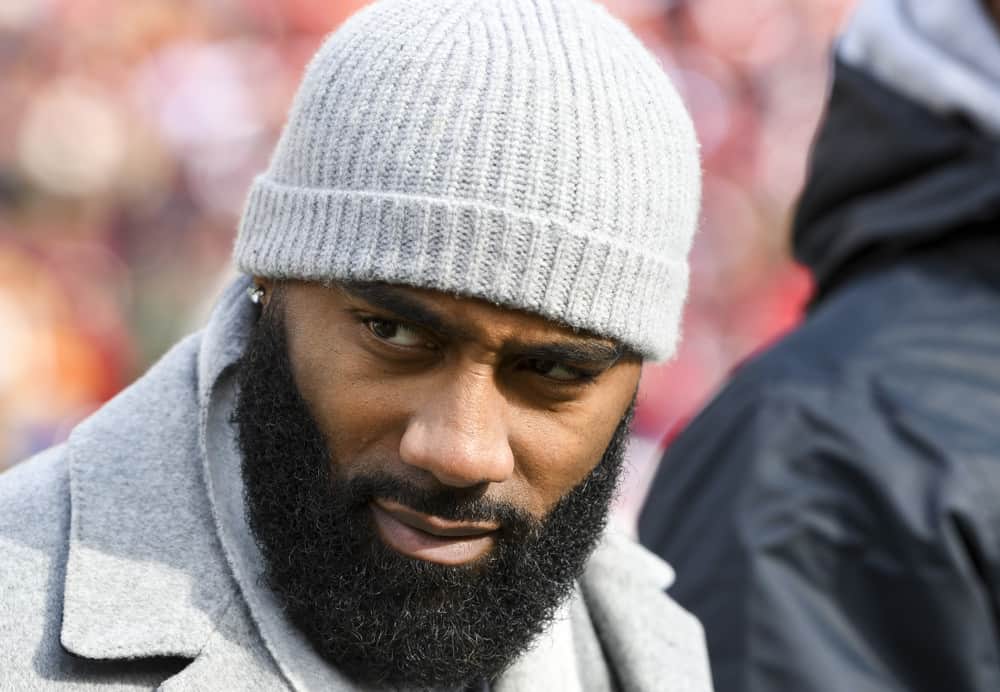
<point x="426" y="475"/>
<point x="448" y="392"/>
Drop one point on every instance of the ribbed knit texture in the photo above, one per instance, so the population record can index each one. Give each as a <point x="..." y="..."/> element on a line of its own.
<point x="528" y="152"/>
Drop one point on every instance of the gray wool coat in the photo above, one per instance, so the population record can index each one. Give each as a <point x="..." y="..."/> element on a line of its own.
<point x="113" y="575"/>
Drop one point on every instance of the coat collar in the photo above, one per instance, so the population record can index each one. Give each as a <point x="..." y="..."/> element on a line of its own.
<point x="651" y="642"/>
<point x="146" y="575"/>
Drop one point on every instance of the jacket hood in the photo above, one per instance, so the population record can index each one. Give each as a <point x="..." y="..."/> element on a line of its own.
<point x="887" y="175"/>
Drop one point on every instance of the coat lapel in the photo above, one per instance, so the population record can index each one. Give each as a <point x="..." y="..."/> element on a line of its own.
<point x="145" y="575"/>
<point x="233" y="658"/>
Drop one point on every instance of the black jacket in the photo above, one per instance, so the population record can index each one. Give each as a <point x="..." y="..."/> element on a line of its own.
<point x="834" y="514"/>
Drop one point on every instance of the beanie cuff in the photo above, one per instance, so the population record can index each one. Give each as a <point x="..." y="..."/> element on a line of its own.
<point x="564" y="273"/>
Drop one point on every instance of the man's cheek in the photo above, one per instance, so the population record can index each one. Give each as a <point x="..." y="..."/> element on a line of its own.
<point x="359" y="427"/>
<point x="554" y="461"/>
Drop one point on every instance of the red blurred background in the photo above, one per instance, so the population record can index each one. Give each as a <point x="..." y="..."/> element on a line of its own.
<point x="130" y="130"/>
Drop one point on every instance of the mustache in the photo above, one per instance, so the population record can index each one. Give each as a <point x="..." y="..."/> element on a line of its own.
<point x="457" y="504"/>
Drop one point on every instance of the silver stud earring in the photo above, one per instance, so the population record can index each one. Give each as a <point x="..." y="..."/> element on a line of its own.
<point x="256" y="294"/>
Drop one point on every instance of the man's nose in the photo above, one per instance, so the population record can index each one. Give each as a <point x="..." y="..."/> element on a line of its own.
<point x="459" y="433"/>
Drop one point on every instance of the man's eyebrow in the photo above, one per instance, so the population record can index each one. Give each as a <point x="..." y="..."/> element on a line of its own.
<point x="396" y="301"/>
<point x="393" y="300"/>
<point x="575" y="351"/>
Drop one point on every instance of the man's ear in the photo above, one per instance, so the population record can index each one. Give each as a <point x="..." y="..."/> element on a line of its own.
<point x="268" y="285"/>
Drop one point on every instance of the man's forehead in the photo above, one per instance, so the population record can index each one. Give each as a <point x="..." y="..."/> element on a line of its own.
<point x="474" y="318"/>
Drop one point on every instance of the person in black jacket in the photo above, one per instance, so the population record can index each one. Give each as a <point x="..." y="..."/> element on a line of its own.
<point x="834" y="513"/>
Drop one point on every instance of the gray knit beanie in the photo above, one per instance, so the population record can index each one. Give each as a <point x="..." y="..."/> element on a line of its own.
<point x="528" y="152"/>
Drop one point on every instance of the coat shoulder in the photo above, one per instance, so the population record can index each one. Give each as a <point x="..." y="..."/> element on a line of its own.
<point x="34" y="528"/>
<point x="34" y="501"/>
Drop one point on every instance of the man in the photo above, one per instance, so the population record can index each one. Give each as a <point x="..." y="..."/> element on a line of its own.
<point x="386" y="462"/>
<point x="833" y="513"/>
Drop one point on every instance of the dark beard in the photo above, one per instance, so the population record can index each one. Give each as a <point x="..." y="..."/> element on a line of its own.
<point x="379" y="616"/>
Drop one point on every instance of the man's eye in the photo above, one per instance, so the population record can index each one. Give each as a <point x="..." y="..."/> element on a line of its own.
<point x="396" y="333"/>
<point x="560" y="372"/>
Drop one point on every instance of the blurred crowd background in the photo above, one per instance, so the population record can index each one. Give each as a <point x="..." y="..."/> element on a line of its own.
<point x="130" y="130"/>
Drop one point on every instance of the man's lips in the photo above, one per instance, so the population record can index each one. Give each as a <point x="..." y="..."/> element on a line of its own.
<point x="431" y="538"/>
